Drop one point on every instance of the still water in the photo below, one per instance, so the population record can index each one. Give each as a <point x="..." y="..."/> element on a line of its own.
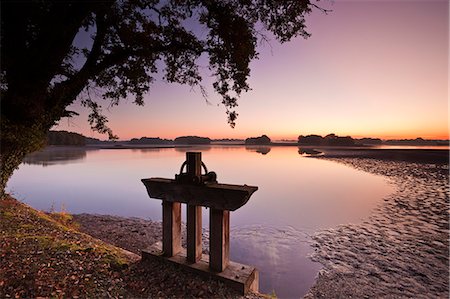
<point x="297" y="196"/>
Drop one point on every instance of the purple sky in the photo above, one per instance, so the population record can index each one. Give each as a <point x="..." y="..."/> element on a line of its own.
<point x="370" y="68"/>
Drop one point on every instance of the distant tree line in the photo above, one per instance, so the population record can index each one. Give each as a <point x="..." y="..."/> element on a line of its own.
<point x="179" y="140"/>
<point x="65" y="138"/>
<point x="228" y="140"/>
<point x="192" y="140"/>
<point x="75" y="139"/>
<point x="329" y="140"/>
<point x="334" y="140"/>
<point x="258" y="140"/>
<point x="150" y="140"/>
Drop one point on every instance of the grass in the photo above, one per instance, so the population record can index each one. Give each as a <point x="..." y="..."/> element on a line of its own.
<point x="43" y="255"/>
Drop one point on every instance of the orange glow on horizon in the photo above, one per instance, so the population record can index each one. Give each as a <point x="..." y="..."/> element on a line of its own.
<point x="129" y="134"/>
<point x="355" y="76"/>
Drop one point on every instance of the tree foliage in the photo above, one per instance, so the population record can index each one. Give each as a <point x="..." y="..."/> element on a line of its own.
<point x="65" y="138"/>
<point x="329" y="140"/>
<point x="264" y="139"/>
<point x="43" y="70"/>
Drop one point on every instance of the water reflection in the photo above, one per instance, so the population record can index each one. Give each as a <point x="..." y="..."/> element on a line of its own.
<point x="148" y="149"/>
<point x="193" y="148"/>
<point x="278" y="254"/>
<point x="54" y="155"/>
<point x="308" y="151"/>
<point x="296" y="197"/>
<point x="263" y="150"/>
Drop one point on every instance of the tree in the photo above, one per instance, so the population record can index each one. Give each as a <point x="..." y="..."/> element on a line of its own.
<point x="264" y="139"/>
<point x="43" y="70"/>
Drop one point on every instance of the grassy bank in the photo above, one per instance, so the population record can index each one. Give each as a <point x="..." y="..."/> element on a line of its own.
<point x="44" y="255"/>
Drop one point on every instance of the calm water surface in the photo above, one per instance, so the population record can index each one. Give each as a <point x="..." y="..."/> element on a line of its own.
<point x="297" y="196"/>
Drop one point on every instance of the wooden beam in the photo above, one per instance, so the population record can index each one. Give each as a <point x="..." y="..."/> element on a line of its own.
<point x="171" y="228"/>
<point x="194" y="233"/>
<point x="219" y="239"/>
<point x="217" y="196"/>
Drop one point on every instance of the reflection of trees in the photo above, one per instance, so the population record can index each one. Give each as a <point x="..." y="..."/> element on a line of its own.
<point x="54" y="156"/>
<point x="308" y="151"/>
<point x="263" y="150"/>
<point x="147" y="149"/>
<point x="190" y="148"/>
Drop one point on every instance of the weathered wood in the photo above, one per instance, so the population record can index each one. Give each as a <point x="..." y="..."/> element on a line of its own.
<point x="171" y="228"/>
<point x="194" y="213"/>
<point x="240" y="277"/>
<point x="194" y="233"/>
<point x="197" y="190"/>
<point x="217" y="196"/>
<point x="219" y="239"/>
<point x="194" y="163"/>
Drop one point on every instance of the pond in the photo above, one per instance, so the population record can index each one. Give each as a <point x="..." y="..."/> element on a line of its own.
<point x="297" y="196"/>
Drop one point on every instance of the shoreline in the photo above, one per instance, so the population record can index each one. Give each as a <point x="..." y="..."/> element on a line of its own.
<point x="400" y="250"/>
<point x="273" y="144"/>
<point x="46" y="255"/>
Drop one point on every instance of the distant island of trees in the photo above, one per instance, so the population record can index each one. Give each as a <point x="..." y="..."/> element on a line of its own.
<point x="192" y="140"/>
<point x="329" y="140"/>
<point x="150" y="140"/>
<point x="334" y="140"/>
<point x="261" y="140"/>
<point x="64" y="138"/>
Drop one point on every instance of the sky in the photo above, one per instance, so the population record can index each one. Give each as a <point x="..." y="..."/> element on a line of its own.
<point x="370" y="69"/>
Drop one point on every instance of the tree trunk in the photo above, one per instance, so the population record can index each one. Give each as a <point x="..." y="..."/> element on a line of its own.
<point x="17" y="140"/>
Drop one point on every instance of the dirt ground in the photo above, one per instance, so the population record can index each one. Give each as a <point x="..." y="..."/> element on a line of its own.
<point x="47" y="256"/>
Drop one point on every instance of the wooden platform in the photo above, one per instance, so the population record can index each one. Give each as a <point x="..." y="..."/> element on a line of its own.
<point x="240" y="277"/>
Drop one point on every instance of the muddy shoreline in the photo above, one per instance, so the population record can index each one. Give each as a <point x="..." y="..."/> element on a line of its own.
<point x="400" y="251"/>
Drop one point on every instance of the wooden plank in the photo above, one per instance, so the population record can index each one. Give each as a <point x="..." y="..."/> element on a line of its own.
<point x="194" y="233"/>
<point x="219" y="239"/>
<point x="243" y="278"/>
<point x="217" y="196"/>
<point x="171" y="228"/>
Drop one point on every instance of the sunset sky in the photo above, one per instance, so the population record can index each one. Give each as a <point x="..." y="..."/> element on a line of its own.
<point x="370" y="68"/>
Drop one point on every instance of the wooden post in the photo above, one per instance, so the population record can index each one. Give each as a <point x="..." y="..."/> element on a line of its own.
<point x="194" y="233"/>
<point x="194" y="163"/>
<point x="219" y="239"/>
<point x="197" y="192"/>
<point x="194" y="213"/>
<point x="171" y="228"/>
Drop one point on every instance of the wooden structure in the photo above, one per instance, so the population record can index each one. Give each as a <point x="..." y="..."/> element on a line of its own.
<point x="199" y="190"/>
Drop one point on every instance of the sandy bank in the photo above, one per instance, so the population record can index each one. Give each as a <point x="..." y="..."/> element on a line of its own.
<point x="132" y="234"/>
<point x="402" y="250"/>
